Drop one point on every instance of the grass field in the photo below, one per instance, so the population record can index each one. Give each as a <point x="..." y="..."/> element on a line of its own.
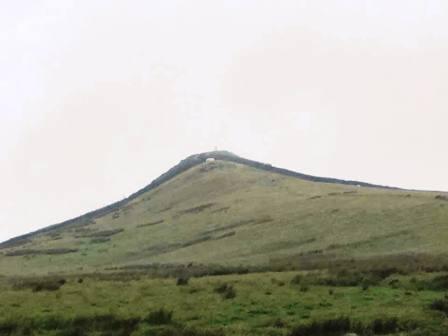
<point x="260" y="304"/>
<point x="229" y="248"/>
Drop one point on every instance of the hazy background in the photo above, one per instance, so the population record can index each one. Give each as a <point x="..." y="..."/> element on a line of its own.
<point x="97" y="98"/>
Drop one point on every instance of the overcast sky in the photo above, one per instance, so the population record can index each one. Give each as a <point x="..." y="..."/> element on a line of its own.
<point x="98" y="98"/>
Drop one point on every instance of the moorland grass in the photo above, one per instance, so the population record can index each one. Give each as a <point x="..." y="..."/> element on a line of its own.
<point x="263" y="304"/>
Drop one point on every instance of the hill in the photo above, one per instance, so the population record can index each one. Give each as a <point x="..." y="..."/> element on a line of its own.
<point x="235" y="211"/>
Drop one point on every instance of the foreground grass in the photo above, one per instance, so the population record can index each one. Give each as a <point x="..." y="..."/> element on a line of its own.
<point x="261" y="304"/>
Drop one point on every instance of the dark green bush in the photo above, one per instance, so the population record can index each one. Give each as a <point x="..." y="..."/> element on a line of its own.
<point x="304" y="287"/>
<point x="394" y="283"/>
<point x="323" y="327"/>
<point x="297" y="279"/>
<point x="277" y="282"/>
<point x="439" y="283"/>
<point x="440" y="305"/>
<point x="365" y="285"/>
<point x="7" y="328"/>
<point x="80" y="326"/>
<point x="226" y="290"/>
<point x="222" y="288"/>
<point x="342" y="325"/>
<point x="160" y="316"/>
<point x="182" y="281"/>
<point x="230" y="293"/>
<point x="106" y="323"/>
<point x="39" y="284"/>
<point x="47" y="286"/>
<point x="179" y="330"/>
<point x="384" y="326"/>
<point x="345" y="278"/>
<point x="279" y="323"/>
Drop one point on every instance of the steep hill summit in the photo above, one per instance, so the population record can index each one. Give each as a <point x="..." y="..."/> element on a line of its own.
<point x="219" y="208"/>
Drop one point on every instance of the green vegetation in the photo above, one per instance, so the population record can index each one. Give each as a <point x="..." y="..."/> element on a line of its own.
<point x="235" y="247"/>
<point x="269" y="303"/>
<point x="238" y="214"/>
<point x="160" y="316"/>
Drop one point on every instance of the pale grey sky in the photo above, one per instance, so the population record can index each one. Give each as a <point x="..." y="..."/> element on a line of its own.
<point x="97" y="98"/>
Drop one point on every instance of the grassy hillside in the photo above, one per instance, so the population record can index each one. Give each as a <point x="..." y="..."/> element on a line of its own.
<point x="233" y="212"/>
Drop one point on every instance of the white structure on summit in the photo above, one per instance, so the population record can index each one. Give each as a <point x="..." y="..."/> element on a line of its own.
<point x="210" y="160"/>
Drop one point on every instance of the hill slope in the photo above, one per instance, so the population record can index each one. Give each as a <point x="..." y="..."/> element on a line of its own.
<point x="236" y="211"/>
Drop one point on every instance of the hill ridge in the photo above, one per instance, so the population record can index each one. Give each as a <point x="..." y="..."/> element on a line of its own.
<point x="184" y="165"/>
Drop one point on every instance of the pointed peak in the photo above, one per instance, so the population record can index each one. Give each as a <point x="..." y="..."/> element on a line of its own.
<point x="184" y="165"/>
<point x="221" y="154"/>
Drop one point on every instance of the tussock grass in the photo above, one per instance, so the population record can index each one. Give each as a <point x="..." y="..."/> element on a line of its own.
<point x="440" y="305"/>
<point x="160" y="316"/>
<point x="205" y="307"/>
<point x="39" y="284"/>
<point x="344" y="324"/>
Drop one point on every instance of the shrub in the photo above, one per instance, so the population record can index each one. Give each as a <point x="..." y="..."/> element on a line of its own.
<point x="99" y="240"/>
<point x="365" y="285"/>
<point x="440" y="305"/>
<point x="230" y="293"/>
<point x="15" y="242"/>
<point x="439" y="283"/>
<point x="222" y="288"/>
<point x="84" y="325"/>
<point x="296" y="280"/>
<point x="342" y="325"/>
<point x="304" y="288"/>
<point x="394" y="283"/>
<point x="7" y="328"/>
<point x="342" y="279"/>
<point x="32" y="252"/>
<point x="38" y="285"/>
<point x="323" y="327"/>
<point x="159" y="317"/>
<point x="226" y="290"/>
<point x="180" y="330"/>
<point x="107" y="324"/>
<point x="279" y="323"/>
<point x="345" y="278"/>
<point x="102" y="234"/>
<point x="384" y="326"/>
<point x="277" y="282"/>
<point x="193" y="290"/>
<point x="182" y="281"/>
